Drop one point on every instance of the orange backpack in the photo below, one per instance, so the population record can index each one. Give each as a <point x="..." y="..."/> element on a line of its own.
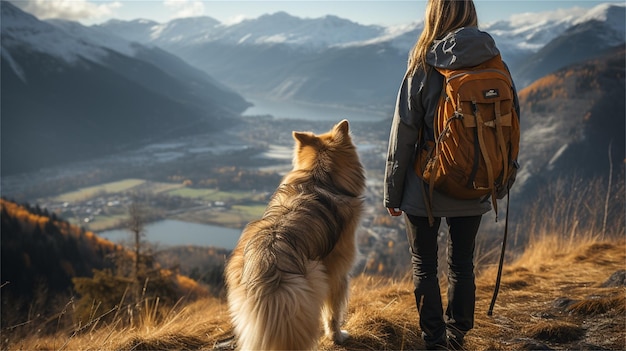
<point x="477" y="134"/>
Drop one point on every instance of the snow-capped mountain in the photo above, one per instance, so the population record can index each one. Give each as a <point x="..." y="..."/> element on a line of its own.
<point x="138" y="30"/>
<point x="526" y="32"/>
<point x="274" y="28"/>
<point x="279" y="56"/>
<point x="70" y="92"/>
<point x="285" y="57"/>
<point x="612" y="14"/>
<point x="589" y="36"/>
<point x="93" y="37"/>
<point x="150" y="53"/>
<point x="283" y="28"/>
<point x="19" y="28"/>
<point x="146" y="31"/>
<point x="71" y="41"/>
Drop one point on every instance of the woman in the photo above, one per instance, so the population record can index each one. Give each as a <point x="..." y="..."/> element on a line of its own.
<point x="450" y="39"/>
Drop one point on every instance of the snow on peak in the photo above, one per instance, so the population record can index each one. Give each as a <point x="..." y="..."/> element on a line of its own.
<point x="19" y="28"/>
<point x="278" y="27"/>
<point x="533" y="30"/>
<point x="613" y="14"/>
<point x="183" y="27"/>
<point x="95" y="35"/>
<point x="401" y="37"/>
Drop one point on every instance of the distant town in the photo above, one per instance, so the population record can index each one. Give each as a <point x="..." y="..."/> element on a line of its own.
<point x="221" y="179"/>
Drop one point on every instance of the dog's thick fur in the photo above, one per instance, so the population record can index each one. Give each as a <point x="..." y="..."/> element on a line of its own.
<point x="291" y="268"/>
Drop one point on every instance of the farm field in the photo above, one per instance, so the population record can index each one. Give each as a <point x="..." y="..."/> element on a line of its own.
<point x="235" y="217"/>
<point x="104" y="206"/>
<point x="212" y="194"/>
<point x="94" y="191"/>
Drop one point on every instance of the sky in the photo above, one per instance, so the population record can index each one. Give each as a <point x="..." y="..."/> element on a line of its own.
<point x="379" y="12"/>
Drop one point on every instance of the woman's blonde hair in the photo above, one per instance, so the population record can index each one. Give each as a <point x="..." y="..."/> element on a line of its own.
<point x="442" y="16"/>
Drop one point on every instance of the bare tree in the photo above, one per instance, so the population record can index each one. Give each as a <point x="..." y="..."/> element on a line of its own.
<point x="136" y="226"/>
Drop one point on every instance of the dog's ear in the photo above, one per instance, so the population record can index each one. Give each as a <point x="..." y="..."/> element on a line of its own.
<point x="342" y="127"/>
<point x="341" y="131"/>
<point x="304" y="138"/>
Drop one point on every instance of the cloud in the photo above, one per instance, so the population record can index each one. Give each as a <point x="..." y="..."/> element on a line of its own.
<point x="545" y="16"/>
<point x="236" y="19"/>
<point x="75" y="10"/>
<point x="184" y="8"/>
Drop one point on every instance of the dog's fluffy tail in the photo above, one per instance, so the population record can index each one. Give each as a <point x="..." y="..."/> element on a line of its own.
<point x="280" y="315"/>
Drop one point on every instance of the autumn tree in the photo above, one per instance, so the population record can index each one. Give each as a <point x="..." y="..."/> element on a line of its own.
<point x="135" y="280"/>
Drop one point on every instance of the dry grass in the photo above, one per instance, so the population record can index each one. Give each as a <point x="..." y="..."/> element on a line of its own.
<point x="557" y="331"/>
<point x="382" y="313"/>
<point x="195" y="326"/>
<point x="552" y="295"/>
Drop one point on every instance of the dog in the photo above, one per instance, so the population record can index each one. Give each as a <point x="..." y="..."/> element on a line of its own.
<point x="291" y="268"/>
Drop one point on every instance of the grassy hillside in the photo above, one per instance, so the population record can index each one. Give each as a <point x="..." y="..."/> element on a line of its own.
<point x="557" y="294"/>
<point x="563" y="288"/>
<point x="56" y="275"/>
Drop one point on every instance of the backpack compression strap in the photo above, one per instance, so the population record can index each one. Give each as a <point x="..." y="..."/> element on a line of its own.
<point x="483" y="150"/>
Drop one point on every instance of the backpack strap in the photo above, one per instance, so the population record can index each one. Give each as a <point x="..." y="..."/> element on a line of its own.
<point x="483" y="148"/>
<point x="502" y="144"/>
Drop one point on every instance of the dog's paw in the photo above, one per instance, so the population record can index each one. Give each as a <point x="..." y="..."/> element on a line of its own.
<point x="341" y="337"/>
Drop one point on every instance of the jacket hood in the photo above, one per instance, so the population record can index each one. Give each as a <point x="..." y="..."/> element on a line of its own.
<point x="463" y="47"/>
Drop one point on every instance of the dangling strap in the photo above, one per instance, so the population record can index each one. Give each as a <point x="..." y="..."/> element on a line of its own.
<point x="428" y="204"/>
<point x="431" y="188"/>
<point x="501" y="262"/>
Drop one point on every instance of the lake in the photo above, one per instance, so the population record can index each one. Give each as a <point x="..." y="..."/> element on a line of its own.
<point x="285" y="109"/>
<point x="176" y="233"/>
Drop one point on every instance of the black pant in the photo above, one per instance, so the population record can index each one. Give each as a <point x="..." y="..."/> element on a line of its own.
<point x="461" y="287"/>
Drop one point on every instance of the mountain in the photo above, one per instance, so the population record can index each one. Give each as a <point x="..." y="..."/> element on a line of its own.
<point x="280" y="56"/>
<point x="70" y="92"/>
<point x="572" y="117"/>
<point x="144" y="31"/>
<point x="279" y="27"/>
<point x="204" y="87"/>
<point x="602" y="28"/>
<point x="334" y="61"/>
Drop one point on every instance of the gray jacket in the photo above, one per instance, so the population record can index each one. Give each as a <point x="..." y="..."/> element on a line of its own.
<point x="416" y="103"/>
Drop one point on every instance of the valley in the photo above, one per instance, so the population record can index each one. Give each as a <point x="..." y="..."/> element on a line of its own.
<point x="222" y="179"/>
<point x="188" y="123"/>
